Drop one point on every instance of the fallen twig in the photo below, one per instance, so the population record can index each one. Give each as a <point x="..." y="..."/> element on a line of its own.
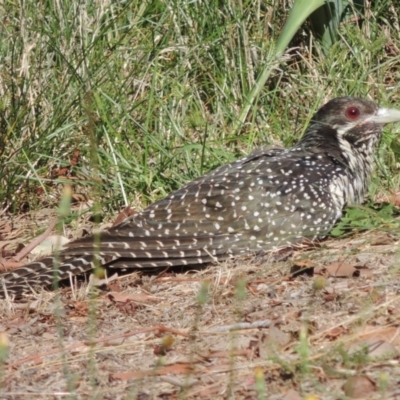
<point x="27" y="249"/>
<point x="266" y="323"/>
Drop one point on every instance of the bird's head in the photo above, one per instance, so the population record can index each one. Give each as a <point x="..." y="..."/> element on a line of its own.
<point x="349" y="124"/>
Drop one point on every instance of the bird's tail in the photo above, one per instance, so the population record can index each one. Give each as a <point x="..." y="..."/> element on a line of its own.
<point x="46" y="273"/>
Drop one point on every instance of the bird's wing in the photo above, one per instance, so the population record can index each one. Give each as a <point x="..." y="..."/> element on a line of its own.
<point x="247" y="205"/>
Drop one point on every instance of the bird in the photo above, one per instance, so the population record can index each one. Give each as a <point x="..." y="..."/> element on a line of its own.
<point x="271" y="199"/>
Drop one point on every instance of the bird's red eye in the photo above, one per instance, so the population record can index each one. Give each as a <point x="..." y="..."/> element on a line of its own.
<point x="353" y="112"/>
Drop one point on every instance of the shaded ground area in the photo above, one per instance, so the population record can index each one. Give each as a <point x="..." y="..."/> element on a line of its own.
<point x="244" y="329"/>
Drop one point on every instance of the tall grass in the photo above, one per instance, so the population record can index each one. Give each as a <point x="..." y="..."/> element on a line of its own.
<point x="156" y="87"/>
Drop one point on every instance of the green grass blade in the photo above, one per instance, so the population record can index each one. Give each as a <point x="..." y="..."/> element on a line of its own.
<point x="298" y="14"/>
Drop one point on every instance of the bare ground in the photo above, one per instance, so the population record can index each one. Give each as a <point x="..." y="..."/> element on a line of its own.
<point x="248" y="328"/>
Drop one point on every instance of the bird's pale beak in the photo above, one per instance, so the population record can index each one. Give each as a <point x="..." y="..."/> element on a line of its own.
<point x="386" y="116"/>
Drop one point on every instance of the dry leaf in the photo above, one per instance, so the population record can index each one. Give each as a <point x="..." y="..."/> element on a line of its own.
<point x="342" y="270"/>
<point x="335" y="332"/>
<point x="292" y="395"/>
<point x="359" y="387"/>
<point x="124" y="214"/>
<point x="78" y="309"/>
<point x="303" y="267"/>
<point x="375" y="347"/>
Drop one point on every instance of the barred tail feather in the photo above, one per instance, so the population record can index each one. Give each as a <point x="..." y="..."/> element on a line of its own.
<point x="45" y="273"/>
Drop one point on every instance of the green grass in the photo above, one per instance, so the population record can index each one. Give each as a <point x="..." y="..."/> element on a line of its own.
<point x="149" y="92"/>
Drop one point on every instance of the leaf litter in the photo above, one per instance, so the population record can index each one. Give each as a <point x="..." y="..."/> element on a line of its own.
<point x="323" y="334"/>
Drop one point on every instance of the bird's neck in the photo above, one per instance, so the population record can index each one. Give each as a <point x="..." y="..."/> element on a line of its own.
<point x="354" y="159"/>
<point x="359" y="164"/>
